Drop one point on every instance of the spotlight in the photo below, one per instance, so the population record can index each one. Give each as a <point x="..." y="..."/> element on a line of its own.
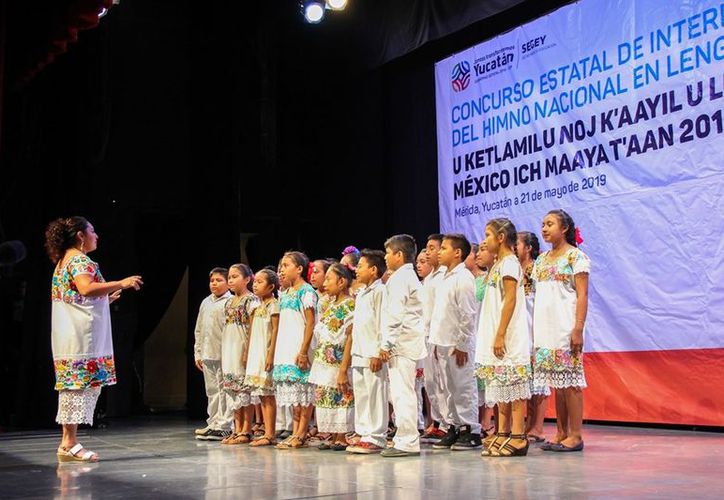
<point x="337" y="4"/>
<point x="102" y="12"/>
<point x="313" y="10"/>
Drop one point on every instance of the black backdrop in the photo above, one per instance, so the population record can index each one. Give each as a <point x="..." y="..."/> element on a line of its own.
<point x="175" y="127"/>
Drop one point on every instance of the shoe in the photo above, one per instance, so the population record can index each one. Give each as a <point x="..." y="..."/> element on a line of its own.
<point x="215" y="435"/>
<point x="508" y="450"/>
<point x="450" y="438"/>
<point x="282" y="435"/>
<point x="395" y="453"/>
<point x="203" y="436"/>
<point x="467" y="440"/>
<point x="338" y="447"/>
<point x="200" y="432"/>
<point x="73" y="454"/>
<point x="364" y="448"/>
<point x="433" y="436"/>
<point x="560" y="447"/>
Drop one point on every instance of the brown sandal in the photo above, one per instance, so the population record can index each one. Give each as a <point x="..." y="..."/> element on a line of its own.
<point x="508" y="450"/>
<point x="240" y="438"/>
<point x="491" y="443"/>
<point x="264" y="441"/>
<point x="296" y="442"/>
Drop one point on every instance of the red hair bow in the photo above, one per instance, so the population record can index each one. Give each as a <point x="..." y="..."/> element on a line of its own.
<point x="579" y="240"/>
<point x="310" y="271"/>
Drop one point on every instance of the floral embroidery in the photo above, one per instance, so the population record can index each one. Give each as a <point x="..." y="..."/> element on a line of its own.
<point x="329" y="353"/>
<point x="239" y="312"/>
<point x="259" y="382"/>
<point x="561" y="269"/>
<point x="334" y="315"/>
<point x="557" y="360"/>
<point x="290" y="373"/>
<point x="505" y="375"/>
<point x="330" y="397"/>
<point x="81" y="373"/>
<point x="420" y="373"/>
<point x="304" y="298"/>
<point x="264" y="310"/>
<point x="233" y="384"/>
<point x="63" y="286"/>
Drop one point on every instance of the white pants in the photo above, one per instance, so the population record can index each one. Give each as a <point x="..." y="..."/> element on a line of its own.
<point x="370" y="401"/>
<point x="434" y="389"/>
<point x="221" y="414"/>
<point x="285" y="418"/>
<point x="460" y="388"/>
<point x="419" y="384"/>
<point x="404" y="400"/>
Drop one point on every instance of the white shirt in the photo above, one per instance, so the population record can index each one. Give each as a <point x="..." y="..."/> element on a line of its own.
<point x="429" y="285"/>
<point x="455" y="310"/>
<point x="367" y="323"/>
<point x="209" y="325"/>
<point x="403" y="328"/>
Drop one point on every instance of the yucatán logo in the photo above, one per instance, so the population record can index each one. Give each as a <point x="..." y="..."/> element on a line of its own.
<point x="461" y="76"/>
<point x="495" y="61"/>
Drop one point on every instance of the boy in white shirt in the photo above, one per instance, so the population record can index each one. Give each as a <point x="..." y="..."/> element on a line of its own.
<point x="403" y="341"/>
<point x="438" y="409"/>
<point x="207" y="357"/>
<point x="369" y="373"/>
<point x="452" y="340"/>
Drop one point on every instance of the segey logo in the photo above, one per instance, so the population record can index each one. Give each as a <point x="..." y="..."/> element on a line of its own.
<point x="461" y="76"/>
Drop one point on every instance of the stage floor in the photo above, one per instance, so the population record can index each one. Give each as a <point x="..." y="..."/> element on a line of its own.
<point x="159" y="458"/>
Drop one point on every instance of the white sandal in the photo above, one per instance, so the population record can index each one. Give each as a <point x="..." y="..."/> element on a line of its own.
<point x="72" y="454"/>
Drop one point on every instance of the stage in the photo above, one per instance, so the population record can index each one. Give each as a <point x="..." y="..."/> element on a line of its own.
<point x="159" y="458"/>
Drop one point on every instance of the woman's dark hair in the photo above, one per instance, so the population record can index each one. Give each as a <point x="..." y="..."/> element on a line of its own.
<point x="343" y="272"/>
<point x="325" y="264"/>
<point x="246" y="272"/>
<point x="271" y="277"/>
<point x="61" y="234"/>
<point x="566" y="221"/>
<point x="507" y="228"/>
<point x="299" y="259"/>
<point x="530" y="240"/>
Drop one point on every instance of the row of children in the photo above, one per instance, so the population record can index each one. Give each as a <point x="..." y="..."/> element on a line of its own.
<point x="497" y="328"/>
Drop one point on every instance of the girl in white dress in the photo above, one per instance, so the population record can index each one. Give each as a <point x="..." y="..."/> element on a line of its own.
<point x="260" y="353"/>
<point x="334" y="401"/>
<point x="503" y="349"/>
<point x="561" y="305"/>
<point x="298" y="303"/>
<point x="528" y="249"/>
<point x="234" y="339"/>
<point x="80" y="328"/>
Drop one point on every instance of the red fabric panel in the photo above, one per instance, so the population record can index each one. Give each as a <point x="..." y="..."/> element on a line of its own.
<point x="670" y="387"/>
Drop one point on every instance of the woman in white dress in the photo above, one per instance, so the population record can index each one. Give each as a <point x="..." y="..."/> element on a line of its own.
<point x="503" y="350"/>
<point x="559" y="317"/>
<point x="234" y="342"/>
<point x="80" y="328"/>
<point x="298" y="304"/>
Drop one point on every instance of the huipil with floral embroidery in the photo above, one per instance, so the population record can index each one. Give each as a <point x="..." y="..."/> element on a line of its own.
<point x="506" y="379"/>
<point x="234" y="339"/>
<point x="554" y="317"/>
<point x="80" y="329"/>
<point x="292" y="322"/>
<point x="334" y="408"/>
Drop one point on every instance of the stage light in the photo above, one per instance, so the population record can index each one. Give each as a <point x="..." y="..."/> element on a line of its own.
<point x="102" y="12"/>
<point x="313" y="10"/>
<point x="337" y="4"/>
